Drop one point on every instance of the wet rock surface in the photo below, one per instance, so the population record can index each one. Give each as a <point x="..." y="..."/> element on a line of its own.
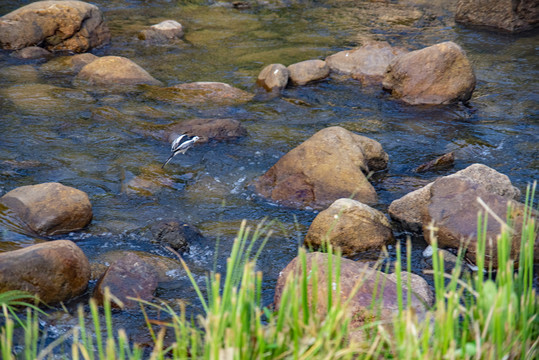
<point x="200" y="93"/>
<point x="328" y="166"/>
<point x="113" y="71"/>
<point x="506" y="15"/>
<point x="351" y="226"/>
<point x="54" y="25"/>
<point x="438" y="74"/>
<point x="176" y="234"/>
<point x="440" y="162"/>
<point x="207" y="130"/>
<point x="54" y="271"/>
<point x="165" y="32"/>
<point x="32" y="53"/>
<point x="308" y="71"/>
<point x="273" y="77"/>
<point x="50" y="208"/>
<point x="129" y="276"/>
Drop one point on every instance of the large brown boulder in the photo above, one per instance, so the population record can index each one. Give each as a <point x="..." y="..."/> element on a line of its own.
<point x="363" y="306"/>
<point x="129" y="276"/>
<point x="114" y="70"/>
<point x="453" y="209"/>
<point x="367" y="63"/>
<point x="200" y="93"/>
<point x="328" y="166"/>
<point x="207" y="129"/>
<point x="54" y="271"/>
<point x="50" y="208"/>
<point x="308" y="71"/>
<point x="351" y="226"/>
<point x="407" y="210"/>
<point x="438" y="74"/>
<point x="55" y="25"/>
<point x="509" y="15"/>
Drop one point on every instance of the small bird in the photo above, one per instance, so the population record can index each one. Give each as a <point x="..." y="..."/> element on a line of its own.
<point x="180" y="146"/>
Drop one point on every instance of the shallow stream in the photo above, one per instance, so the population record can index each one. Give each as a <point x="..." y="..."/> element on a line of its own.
<point x="100" y="144"/>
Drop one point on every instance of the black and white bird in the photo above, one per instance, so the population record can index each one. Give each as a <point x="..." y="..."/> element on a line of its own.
<point x="180" y="145"/>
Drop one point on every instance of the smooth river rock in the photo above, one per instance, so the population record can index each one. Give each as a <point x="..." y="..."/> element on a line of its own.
<point x="114" y="71"/>
<point x="165" y="32"/>
<point x="453" y="209"/>
<point x="54" y="271"/>
<point x="308" y="71"/>
<point x="407" y="210"/>
<point x="507" y="15"/>
<point x="351" y="226"/>
<point x="359" y="309"/>
<point x="54" y="25"/>
<point x="273" y="77"/>
<point x="328" y="166"/>
<point x="50" y="208"/>
<point x="367" y="63"/>
<point x="438" y="74"/>
<point x="176" y="234"/>
<point x="200" y="94"/>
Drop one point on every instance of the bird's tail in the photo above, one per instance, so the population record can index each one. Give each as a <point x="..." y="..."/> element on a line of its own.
<point x="166" y="162"/>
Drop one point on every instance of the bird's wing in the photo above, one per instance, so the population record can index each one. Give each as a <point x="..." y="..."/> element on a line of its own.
<point x="177" y="143"/>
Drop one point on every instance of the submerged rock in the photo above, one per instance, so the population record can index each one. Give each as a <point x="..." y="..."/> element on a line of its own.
<point x="129" y="276"/>
<point x="114" y="70"/>
<point x="407" y="210"/>
<point x="328" y="166"/>
<point x="361" y="304"/>
<point x="164" y="32"/>
<point x="308" y="71"/>
<point x="351" y="226"/>
<point x="178" y="235"/>
<point x="50" y="208"/>
<point x="512" y="16"/>
<point x="54" y="25"/>
<point x="438" y="74"/>
<point x="367" y="63"/>
<point x="68" y="64"/>
<point x="32" y="53"/>
<point x="273" y="77"/>
<point x="207" y="129"/>
<point x="54" y="271"/>
<point x="440" y="162"/>
<point x="200" y="93"/>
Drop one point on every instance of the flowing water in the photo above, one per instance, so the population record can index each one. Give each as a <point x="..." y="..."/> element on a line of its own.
<point x="97" y="141"/>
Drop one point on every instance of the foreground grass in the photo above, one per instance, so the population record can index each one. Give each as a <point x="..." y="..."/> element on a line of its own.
<point x="481" y="317"/>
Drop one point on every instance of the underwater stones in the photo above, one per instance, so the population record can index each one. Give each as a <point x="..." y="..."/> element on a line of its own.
<point x="328" y="166"/>
<point x="441" y="162"/>
<point x="164" y="32"/>
<point x="407" y="210"/>
<point x="129" y="276"/>
<point x="200" y="93"/>
<point x="68" y="64"/>
<point x="112" y="71"/>
<point x="507" y="15"/>
<point x="351" y="226"/>
<point x="54" y="25"/>
<point x="207" y="129"/>
<point x="178" y="235"/>
<point x="50" y="208"/>
<point x="54" y="271"/>
<point x="438" y="74"/>
<point x="453" y="209"/>
<point x="308" y="71"/>
<point x="273" y="77"/>
<point x="32" y="53"/>
<point x="367" y="63"/>
<point x="360" y="307"/>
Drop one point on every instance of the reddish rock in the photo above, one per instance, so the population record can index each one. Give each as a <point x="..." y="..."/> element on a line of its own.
<point x="360" y="306"/>
<point x="55" y="25"/>
<point x="438" y="74"/>
<point x="328" y="166"/>
<point x="440" y="162"/>
<point x="129" y="276"/>
<point x="50" y="208"/>
<point x="54" y="271"/>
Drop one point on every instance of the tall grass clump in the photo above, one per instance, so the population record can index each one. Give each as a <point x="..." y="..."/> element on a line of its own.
<point x="487" y="315"/>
